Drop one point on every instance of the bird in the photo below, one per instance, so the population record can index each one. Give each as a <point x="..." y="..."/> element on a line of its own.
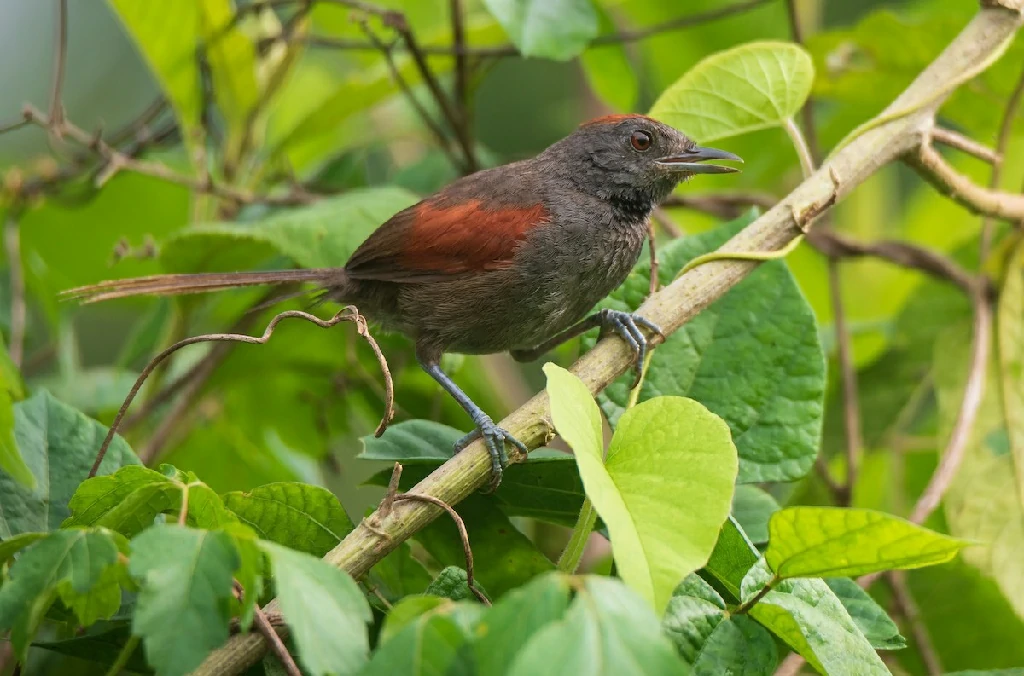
<point x="507" y="259"/>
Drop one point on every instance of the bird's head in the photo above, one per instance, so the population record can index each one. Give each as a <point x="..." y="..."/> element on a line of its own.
<point x="634" y="157"/>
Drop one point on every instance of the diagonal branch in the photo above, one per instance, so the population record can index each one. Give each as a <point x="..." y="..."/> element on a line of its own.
<point x="901" y="129"/>
<point x="962" y="190"/>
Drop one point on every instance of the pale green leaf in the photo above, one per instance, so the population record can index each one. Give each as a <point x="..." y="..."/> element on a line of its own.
<point x="76" y="558"/>
<point x="426" y="644"/>
<point x="835" y="542"/>
<point x="1010" y="326"/>
<point x="166" y="33"/>
<point x="662" y="448"/>
<point x="11" y="461"/>
<point x="183" y="608"/>
<point x="549" y="29"/>
<point x="321" y="235"/>
<point x="754" y="86"/>
<point x="232" y="58"/>
<point x="753" y="357"/>
<point x="59" y="444"/>
<point x="808" y="616"/>
<point x="608" y="69"/>
<point x="296" y="515"/>
<point x="575" y="415"/>
<point x="406" y="612"/>
<point x="325" y="610"/>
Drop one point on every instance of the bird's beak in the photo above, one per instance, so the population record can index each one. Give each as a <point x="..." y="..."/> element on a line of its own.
<point x="687" y="162"/>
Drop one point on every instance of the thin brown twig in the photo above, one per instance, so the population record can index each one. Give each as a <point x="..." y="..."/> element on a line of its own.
<point x="953" y="139"/>
<point x="907" y="606"/>
<point x="59" y="61"/>
<point x="1002" y="143"/>
<point x="463" y="535"/>
<point x="19" y="313"/>
<point x="346" y="314"/>
<point x="499" y="51"/>
<point x="266" y="629"/>
<point x="462" y="103"/>
<point x="962" y="190"/>
<point x="851" y="398"/>
<point x="17" y="124"/>
<point x="389" y="497"/>
<point x="904" y="254"/>
<point x="388" y="52"/>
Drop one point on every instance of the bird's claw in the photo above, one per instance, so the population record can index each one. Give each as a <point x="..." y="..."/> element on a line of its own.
<point x="494" y="439"/>
<point x="627" y="326"/>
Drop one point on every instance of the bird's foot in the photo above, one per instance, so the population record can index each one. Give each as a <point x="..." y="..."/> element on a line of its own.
<point x="627" y="326"/>
<point x="494" y="439"/>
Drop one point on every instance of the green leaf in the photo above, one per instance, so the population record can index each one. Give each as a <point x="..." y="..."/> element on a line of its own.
<point x="753" y="357"/>
<point x="11" y="461"/>
<point x="100" y="602"/>
<point x="12" y="546"/>
<point x="299" y="516"/>
<point x="232" y="58"/>
<point x="754" y="86"/>
<point x="608" y="69"/>
<point x="1010" y="327"/>
<point x="811" y="620"/>
<point x="547" y="486"/>
<point x="516" y="618"/>
<point x="166" y="34"/>
<point x="833" y="541"/>
<point x="128" y="501"/>
<point x="250" y="573"/>
<point x="72" y="559"/>
<point x="399" y="575"/>
<point x="693" y="613"/>
<point x="406" y="611"/>
<point x="503" y="557"/>
<point x="452" y="583"/>
<point x="548" y="29"/>
<point x="59" y="444"/>
<point x="732" y="557"/>
<point x="318" y="236"/>
<point x="752" y="507"/>
<point x="606" y="630"/>
<point x="429" y="641"/>
<point x="738" y="646"/>
<point x="662" y="448"/>
<point x="880" y="631"/>
<point x="183" y="608"/>
<point x="324" y="609"/>
<point x="99" y="644"/>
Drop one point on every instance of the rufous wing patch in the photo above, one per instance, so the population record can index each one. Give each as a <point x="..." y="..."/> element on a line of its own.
<point x="435" y="239"/>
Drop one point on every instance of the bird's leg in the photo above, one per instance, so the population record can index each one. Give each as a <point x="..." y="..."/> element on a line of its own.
<point x="625" y="324"/>
<point x="494" y="437"/>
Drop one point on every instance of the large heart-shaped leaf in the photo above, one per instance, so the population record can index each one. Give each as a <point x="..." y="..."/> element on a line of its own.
<point x="754" y="86"/>
<point x="662" y="448"/>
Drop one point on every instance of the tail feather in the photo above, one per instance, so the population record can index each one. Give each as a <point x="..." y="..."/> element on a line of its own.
<point x="175" y="284"/>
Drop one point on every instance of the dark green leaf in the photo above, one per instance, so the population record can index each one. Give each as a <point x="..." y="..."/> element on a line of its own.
<point x="880" y="631"/>
<point x="606" y="630"/>
<point x="752" y="507"/>
<point x="325" y="610"/>
<point x="732" y="557"/>
<point x="300" y="516"/>
<point x="59" y="444"/>
<point x="411" y="441"/>
<point x="183" y="609"/>
<point x="693" y="613"/>
<point x="753" y="357"/>
<point x="516" y="618"/>
<point x="399" y="575"/>
<point x="503" y="557"/>
<point x="102" y="644"/>
<point x="67" y="562"/>
<point x="550" y="29"/>
<point x="12" y="546"/>
<point x="740" y="647"/>
<point x="453" y="583"/>
<point x="810" y="618"/>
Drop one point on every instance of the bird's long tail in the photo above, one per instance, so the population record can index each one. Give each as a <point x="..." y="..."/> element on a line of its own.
<point x="172" y="285"/>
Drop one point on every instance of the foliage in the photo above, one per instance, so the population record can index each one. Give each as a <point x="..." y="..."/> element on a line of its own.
<point x="703" y="538"/>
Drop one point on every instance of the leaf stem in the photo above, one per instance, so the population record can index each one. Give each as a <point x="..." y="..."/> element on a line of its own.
<point x="573" y="552"/>
<point x="122" y="657"/>
<point x="800" y="144"/>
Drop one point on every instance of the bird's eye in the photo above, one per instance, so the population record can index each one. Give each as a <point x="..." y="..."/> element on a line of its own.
<point x="640" y="140"/>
